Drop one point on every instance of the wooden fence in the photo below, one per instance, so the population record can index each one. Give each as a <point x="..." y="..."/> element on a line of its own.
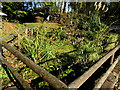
<point x="51" y="79"/>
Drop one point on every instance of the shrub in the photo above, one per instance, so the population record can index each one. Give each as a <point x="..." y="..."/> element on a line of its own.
<point x="39" y="19"/>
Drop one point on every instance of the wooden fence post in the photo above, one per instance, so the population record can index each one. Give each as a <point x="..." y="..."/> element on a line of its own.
<point x="112" y="58"/>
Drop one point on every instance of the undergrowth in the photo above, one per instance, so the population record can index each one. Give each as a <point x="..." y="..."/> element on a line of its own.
<point x="64" y="55"/>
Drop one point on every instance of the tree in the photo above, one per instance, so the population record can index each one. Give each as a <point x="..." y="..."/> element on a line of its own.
<point x="15" y="11"/>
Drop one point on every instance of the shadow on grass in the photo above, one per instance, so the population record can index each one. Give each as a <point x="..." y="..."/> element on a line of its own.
<point x="78" y="70"/>
<point x="66" y="60"/>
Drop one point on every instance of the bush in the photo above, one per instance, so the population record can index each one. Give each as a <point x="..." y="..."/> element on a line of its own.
<point x="39" y="19"/>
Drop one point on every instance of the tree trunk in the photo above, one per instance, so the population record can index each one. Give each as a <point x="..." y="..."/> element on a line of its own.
<point x="64" y="8"/>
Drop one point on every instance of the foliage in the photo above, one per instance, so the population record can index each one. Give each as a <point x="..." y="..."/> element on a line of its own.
<point x="61" y="50"/>
<point x="14" y="10"/>
<point x="55" y="10"/>
<point x="39" y="19"/>
<point x="41" y="45"/>
<point x="90" y="33"/>
<point x="112" y="15"/>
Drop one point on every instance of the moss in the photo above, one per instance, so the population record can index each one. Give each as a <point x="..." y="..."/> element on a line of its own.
<point x="110" y="46"/>
<point x="64" y="48"/>
<point x="94" y="56"/>
<point x="112" y="38"/>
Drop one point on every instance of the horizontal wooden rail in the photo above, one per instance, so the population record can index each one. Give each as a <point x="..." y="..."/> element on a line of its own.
<point x="12" y="44"/>
<point x="102" y="80"/>
<point x="80" y="80"/>
<point x="15" y="73"/>
<point x="53" y="81"/>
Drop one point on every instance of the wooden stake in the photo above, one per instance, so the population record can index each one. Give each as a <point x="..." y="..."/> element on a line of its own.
<point x="112" y="59"/>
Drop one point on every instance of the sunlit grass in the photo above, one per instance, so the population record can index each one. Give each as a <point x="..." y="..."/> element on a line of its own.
<point x="46" y="24"/>
<point x="8" y="28"/>
<point x="11" y="28"/>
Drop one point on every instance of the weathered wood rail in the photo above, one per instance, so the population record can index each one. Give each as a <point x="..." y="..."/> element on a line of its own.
<point x="51" y="79"/>
<point x="80" y="80"/>
<point x="104" y="77"/>
<point x="15" y="73"/>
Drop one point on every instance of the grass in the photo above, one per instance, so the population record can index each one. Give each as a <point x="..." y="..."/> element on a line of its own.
<point x="59" y="47"/>
<point x="46" y="24"/>
<point x="8" y="28"/>
<point x="48" y="50"/>
<point x="11" y="28"/>
<point x="64" y="48"/>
